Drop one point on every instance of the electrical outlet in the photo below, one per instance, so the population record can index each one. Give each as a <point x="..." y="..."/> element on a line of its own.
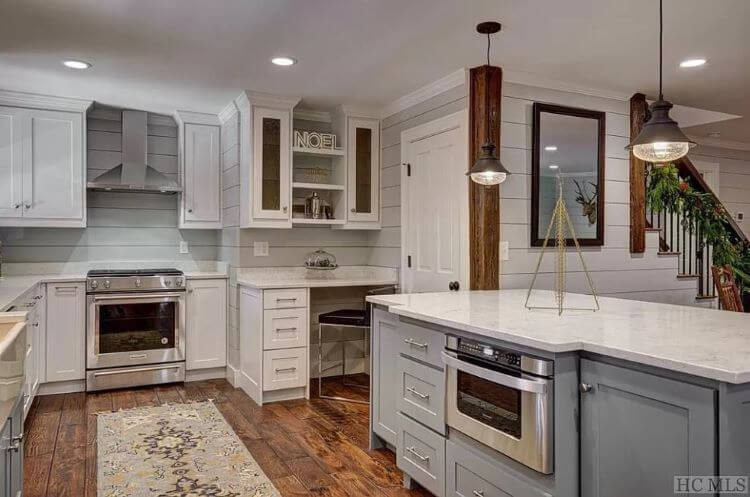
<point x="260" y="249"/>
<point x="504" y="251"/>
<point x="184" y="247"/>
<point x="740" y="216"/>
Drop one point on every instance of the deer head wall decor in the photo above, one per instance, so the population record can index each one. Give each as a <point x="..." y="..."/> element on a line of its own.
<point x="588" y="203"/>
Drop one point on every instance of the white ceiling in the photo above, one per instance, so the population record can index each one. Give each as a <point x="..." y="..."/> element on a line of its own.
<point x="199" y="54"/>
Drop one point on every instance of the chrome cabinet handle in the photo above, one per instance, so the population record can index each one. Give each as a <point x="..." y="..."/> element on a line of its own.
<point x="293" y="328"/>
<point x="478" y="493"/>
<point x="290" y="299"/>
<point x="585" y="387"/>
<point x="15" y="443"/>
<point x="35" y="325"/>
<point x="281" y="370"/>
<point x="411" y="341"/>
<point x="417" y="454"/>
<point x="417" y="393"/>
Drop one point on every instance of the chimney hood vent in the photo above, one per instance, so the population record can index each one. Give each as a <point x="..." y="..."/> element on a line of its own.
<point x="134" y="175"/>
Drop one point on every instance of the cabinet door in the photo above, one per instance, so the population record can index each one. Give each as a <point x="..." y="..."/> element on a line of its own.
<point x="271" y="163"/>
<point x="202" y="160"/>
<point x="12" y="137"/>
<point x="16" y="452"/>
<point x="251" y="343"/>
<point x="385" y="347"/>
<point x="53" y="166"/>
<point x="363" y="158"/>
<point x="638" y="431"/>
<point x="66" y="334"/>
<point x="206" y="337"/>
<point x="30" y="366"/>
<point x="5" y="457"/>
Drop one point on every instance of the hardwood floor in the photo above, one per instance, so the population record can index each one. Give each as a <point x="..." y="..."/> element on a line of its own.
<point x="307" y="448"/>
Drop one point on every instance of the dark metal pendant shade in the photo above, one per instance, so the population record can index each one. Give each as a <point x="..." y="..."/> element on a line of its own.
<point x="661" y="139"/>
<point x="488" y="170"/>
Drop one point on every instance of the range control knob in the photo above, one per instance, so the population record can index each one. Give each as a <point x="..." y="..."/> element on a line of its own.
<point x="138" y="283"/>
<point x="178" y="282"/>
<point x="107" y="284"/>
<point x="168" y="283"/>
<point x="94" y="284"/>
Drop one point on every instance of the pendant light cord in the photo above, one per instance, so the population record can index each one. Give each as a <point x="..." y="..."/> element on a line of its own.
<point x="661" y="47"/>
<point x="488" y="49"/>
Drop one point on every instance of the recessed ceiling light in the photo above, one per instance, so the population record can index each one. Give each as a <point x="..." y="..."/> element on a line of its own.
<point x="697" y="62"/>
<point x="553" y="166"/>
<point x="551" y="148"/>
<point x="76" y="64"/>
<point x="284" y="61"/>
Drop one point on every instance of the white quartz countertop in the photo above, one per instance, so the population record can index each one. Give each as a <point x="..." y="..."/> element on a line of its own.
<point x="300" y="277"/>
<point x="702" y="342"/>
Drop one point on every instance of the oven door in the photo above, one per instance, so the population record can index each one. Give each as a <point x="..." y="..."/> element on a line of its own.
<point x="134" y="329"/>
<point x="506" y="410"/>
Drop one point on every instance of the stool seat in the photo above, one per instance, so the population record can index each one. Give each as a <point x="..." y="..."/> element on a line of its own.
<point x="345" y="317"/>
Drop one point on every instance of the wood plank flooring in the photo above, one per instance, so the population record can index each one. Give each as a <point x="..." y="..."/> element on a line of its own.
<point x="307" y="448"/>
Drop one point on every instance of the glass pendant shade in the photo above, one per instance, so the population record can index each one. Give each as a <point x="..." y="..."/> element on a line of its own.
<point x="488" y="170"/>
<point x="661" y="139"/>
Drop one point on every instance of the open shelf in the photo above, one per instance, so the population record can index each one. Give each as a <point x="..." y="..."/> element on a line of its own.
<point x="317" y="186"/>
<point x="304" y="220"/>
<point x="318" y="152"/>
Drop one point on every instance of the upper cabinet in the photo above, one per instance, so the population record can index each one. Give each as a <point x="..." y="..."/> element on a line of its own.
<point x="42" y="162"/>
<point x="265" y="160"/>
<point x="363" y="171"/>
<point x="200" y="167"/>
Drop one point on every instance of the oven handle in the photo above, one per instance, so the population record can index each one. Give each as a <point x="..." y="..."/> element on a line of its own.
<point x="140" y="296"/>
<point x="139" y="370"/>
<point x="533" y="386"/>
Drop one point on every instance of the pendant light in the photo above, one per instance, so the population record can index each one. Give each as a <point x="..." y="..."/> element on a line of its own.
<point x="661" y="139"/>
<point x="487" y="170"/>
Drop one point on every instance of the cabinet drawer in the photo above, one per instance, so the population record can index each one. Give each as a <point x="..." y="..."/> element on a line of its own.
<point x="422" y="393"/>
<point x="284" y="368"/>
<point x="420" y="453"/>
<point x="469" y="475"/>
<point x="422" y="343"/>
<point x="286" y="298"/>
<point x="284" y="328"/>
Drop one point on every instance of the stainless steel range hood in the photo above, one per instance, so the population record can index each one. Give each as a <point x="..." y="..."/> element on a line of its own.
<point x="134" y="175"/>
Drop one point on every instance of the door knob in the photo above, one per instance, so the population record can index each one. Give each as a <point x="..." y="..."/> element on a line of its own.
<point x="585" y="387"/>
<point x="453" y="286"/>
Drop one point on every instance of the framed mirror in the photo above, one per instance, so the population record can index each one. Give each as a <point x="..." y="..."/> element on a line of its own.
<point x="568" y="150"/>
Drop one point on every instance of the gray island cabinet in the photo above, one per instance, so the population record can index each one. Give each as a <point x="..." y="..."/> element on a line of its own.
<point x="629" y="412"/>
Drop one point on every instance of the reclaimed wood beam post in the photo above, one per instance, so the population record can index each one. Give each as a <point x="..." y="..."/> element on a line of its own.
<point x="638" y="116"/>
<point x="485" y="95"/>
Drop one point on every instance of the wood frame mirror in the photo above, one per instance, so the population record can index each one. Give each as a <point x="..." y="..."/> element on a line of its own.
<point x="568" y="146"/>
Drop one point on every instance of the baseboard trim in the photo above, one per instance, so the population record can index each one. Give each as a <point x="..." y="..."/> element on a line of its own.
<point x="62" y="387"/>
<point x="205" y="374"/>
<point x="233" y="375"/>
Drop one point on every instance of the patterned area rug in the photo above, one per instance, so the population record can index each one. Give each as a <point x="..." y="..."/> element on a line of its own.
<point x="178" y="450"/>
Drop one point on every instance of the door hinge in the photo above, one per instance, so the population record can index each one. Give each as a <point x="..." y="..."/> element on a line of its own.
<point x="408" y="168"/>
<point x="408" y="261"/>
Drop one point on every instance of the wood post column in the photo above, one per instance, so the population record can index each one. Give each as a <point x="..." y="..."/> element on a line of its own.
<point x="485" y="93"/>
<point x="638" y="116"/>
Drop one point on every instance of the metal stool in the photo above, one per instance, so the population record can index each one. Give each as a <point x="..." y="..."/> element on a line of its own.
<point x="347" y="319"/>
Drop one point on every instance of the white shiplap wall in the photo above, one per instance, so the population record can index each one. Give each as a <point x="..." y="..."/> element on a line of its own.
<point x="121" y="226"/>
<point x="734" y="179"/>
<point x="614" y="270"/>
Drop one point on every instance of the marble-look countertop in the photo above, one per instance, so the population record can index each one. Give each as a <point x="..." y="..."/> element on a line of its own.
<point x="702" y="342"/>
<point x="300" y="277"/>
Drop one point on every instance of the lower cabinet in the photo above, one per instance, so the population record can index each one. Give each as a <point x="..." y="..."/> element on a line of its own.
<point x="384" y="403"/>
<point x="206" y="326"/>
<point x="11" y="452"/>
<point x="639" y="430"/>
<point x="420" y="453"/>
<point x="66" y="337"/>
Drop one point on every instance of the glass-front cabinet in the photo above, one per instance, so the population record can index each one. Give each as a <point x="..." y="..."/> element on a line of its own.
<point x="363" y="159"/>
<point x="271" y="134"/>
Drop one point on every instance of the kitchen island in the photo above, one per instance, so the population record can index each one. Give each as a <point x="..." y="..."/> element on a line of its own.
<point x="639" y="393"/>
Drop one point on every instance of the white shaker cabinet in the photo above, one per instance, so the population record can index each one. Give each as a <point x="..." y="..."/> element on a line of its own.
<point x="265" y="160"/>
<point x="200" y="158"/>
<point x="206" y="334"/>
<point x="42" y="164"/>
<point x="66" y="332"/>
<point x="363" y="169"/>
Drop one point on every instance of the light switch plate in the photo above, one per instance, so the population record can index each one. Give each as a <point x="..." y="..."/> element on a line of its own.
<point x="504" y="251"/>
<point x="260" y="249"/>
<point x="184" y="247"/>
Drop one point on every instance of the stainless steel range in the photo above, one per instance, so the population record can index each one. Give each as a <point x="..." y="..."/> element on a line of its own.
<point x="135" y="328"/>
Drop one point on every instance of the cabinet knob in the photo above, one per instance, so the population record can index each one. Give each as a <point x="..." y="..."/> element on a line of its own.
<point x="354" y="210"/>
<point x="27" y="206"/>
<point x="16" y="206"/>
<point x="190" y="211"/>
<point x="585" y="387"/>
<point x="284" y="208"/>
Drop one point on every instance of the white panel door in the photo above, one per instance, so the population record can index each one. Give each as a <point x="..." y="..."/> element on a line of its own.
<point x="206" y="337"/>
<point x="12" y="137"/>
<point x="66" y="331"/>
<point x="434" y="190"/>
<point x="202" y="176"/>
<point x="53" y="166"/>
<point x="271" y="163"/>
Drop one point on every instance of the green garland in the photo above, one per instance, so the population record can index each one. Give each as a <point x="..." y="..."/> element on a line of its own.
<point x="667" y="191"/>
